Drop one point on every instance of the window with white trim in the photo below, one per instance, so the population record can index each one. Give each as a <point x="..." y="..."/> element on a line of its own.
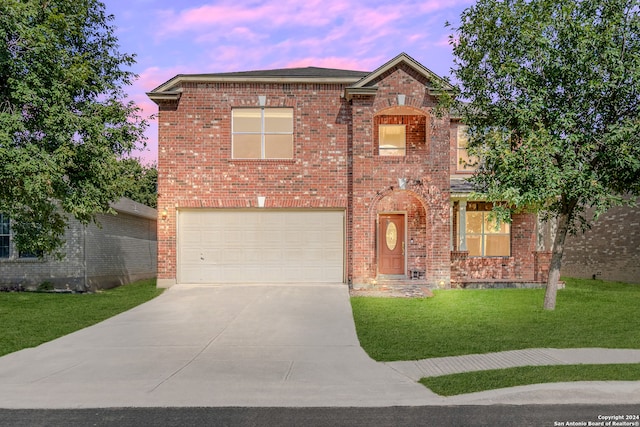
<point x="5" y="236"/>
<point x="392" y="140"/>
<point x="485" y="237"/>
<point x="262" y="133"/>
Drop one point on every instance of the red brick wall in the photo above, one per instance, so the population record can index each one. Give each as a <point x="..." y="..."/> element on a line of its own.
<point x="196" y="168"/>
<point x="609" y="250"/>
<point x="522" y="265"/>
<point x="375" y="178"/>
<point x="335" y="165"/>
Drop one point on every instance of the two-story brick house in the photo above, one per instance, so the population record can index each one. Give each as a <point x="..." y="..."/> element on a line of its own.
<point x="323" y="175"/>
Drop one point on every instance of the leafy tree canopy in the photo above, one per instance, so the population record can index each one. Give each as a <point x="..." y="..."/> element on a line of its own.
<point x="143" y="182"/>
<point x="552" y="101"/>
<point x="64" y="121"/>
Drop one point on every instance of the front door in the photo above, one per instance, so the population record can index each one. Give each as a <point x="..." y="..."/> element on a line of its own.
<point x="391" y="245"/>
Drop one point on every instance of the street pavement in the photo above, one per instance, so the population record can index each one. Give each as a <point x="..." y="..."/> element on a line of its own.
<point x="261" y="346"/>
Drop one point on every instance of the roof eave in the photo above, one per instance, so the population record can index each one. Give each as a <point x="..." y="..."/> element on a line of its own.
<point x="367" y="91"/>
<point x="131" y="207"/>
<point x="168" y="96"/>
<point x="178" y="80"/>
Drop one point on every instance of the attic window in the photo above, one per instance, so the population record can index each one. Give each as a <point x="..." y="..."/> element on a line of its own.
<point x="262" y="133"/>
<point x="392" y="140"/>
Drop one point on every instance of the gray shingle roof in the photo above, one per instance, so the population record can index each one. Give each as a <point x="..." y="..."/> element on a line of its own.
<point x="169" y="88"/>
<point x="310" y="72"/>
<point x="461" y="185"/>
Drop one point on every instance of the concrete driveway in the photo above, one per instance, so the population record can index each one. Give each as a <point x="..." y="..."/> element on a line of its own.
<point x="233" y="345"/>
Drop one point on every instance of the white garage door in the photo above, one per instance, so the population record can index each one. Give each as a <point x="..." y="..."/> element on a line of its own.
<point x="260" y="246"/>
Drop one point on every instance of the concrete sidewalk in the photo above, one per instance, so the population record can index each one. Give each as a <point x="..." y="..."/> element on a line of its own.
<point x="593" y="392"/>
<point x="417" y="369"/>
<point x="257" y="346"/>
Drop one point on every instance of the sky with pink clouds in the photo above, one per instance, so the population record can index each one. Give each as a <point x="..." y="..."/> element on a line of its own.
<point x="210" y="36"/>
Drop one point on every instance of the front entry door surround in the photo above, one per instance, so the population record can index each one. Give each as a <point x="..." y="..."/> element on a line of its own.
<point x="391" y="244"/>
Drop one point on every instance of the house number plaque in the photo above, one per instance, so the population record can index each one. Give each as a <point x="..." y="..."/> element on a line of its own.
<point x="392" y="236"/>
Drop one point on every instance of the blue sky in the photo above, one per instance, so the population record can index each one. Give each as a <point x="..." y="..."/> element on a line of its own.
<point x="199" y="36"/>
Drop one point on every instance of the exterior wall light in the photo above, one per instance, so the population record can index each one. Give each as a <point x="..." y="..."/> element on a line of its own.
<point x="164" y="213"/>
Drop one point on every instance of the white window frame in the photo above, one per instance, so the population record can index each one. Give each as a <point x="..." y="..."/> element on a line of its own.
<point x="483" y="235"/>
<point x="262" y="134"/>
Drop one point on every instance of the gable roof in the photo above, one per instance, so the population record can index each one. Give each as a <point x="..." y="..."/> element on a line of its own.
<point x="364" y="86"/>
<point x="360" y="82"/>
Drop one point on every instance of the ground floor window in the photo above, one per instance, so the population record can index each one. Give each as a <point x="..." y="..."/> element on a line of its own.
<point x="5" y="230"/>
<point x="484" y="236"/>
<point x="5" y="241"/>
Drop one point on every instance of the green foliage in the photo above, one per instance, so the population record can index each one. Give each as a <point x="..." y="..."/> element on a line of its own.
<point x="471" y="382"/>
<point x="31" y="318"/>
<point x="591" y="313"/>
<point x="143" y="182"/>
<point x="64" y="121"/>
<point x="551" y="98"/>
<point x="552" y="102"/>
<point x="45" y="286"/>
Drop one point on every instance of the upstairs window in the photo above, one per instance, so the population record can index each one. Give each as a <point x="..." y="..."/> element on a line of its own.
<point x="485" y="238"/>
<point x="464" y="163"/>
<point x="5" y="231"/>
<point x="392" y="140"/>
<point x="262" y="133"/>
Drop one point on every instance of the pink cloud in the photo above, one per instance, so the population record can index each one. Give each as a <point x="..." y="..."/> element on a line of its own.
<point x="148" y="80"/>
<point x="236" y="14"/>
<point x="445" y="41"/>
<point x="292" y="13"/>
<point x="152" y="77"/>
<point x="377" y="18"/>
<point x="434" y="5"/>
<point x="241" y="35"/>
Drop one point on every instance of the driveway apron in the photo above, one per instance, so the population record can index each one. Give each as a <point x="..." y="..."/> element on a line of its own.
<point x="217" y="345"/>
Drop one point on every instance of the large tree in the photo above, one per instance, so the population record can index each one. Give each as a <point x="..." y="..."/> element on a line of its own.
<point x="143" y="182"/>
<point x="551" y="93"/>
<point x="64" y="119"/>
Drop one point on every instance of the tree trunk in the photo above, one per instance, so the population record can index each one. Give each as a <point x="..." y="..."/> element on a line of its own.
<point x="556" y="262"/>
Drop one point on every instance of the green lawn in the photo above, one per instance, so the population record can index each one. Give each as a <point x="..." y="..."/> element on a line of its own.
<point x="470" y="382"/>
<point x="29" y="319"/>
<point x="589" y="313"/>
